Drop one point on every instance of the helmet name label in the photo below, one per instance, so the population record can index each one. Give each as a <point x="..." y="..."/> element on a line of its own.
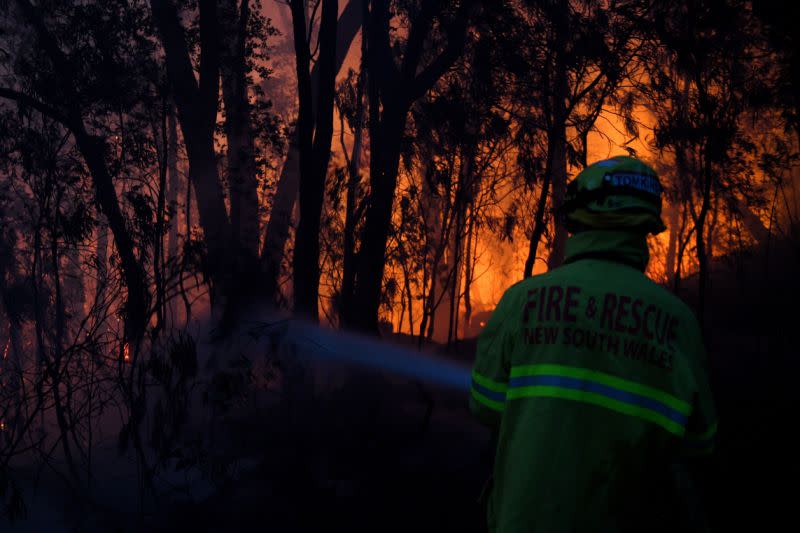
<point x="639" y="182"/>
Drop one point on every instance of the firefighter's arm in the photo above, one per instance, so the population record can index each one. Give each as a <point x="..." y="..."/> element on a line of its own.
<point x="490" y="372"/>
<point x="693" y="472"/>
<point x="701" y="429"/>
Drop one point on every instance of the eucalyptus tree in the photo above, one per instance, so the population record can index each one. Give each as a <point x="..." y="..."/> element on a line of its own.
<point x="702" y="80"/>
<point x="314" y="133"/>
<point x="573" y="57"/>
<point x="59" y="69"/>
<point x="222" y="44"/>
<point x="402" y="67"/>
<point x="277" y="229"/>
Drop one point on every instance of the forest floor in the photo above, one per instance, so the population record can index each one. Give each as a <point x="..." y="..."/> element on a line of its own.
<point x="333" y="448"/>
<point x="377" y="453"/>
<point x="357" y="450"/>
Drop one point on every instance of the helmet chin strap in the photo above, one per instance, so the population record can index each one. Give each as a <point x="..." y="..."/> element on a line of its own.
<point x="634" y="222"/>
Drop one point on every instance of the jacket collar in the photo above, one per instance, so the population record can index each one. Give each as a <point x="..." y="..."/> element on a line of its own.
<point x="624" y="247"/>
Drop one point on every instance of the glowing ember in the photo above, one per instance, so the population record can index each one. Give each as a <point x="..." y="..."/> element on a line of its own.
<point x="126" y="352"/>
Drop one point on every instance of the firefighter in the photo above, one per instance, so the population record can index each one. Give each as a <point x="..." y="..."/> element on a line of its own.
<point x="593" y="376"/>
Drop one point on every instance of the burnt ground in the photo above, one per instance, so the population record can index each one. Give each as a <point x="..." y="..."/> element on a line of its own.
<point x="351" y="450"/>
<point x="373" y="455"/>
<point x="372" y="461"/>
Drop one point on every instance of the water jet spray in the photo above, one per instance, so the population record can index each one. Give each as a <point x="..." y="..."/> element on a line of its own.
<point x="310" y="341"/>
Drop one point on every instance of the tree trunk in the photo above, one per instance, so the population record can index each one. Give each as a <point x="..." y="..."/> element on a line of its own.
<point x="197" y="112"/>
<point x="441" y="245"/>
<point x="463" y="199"/>
<point x="211" y="212"/>
<point x="314" y="154"/>
<point x="385" y="138"/>
<point x="469" y="269"/>
<point x="557" y="137"/>
<point x="174" y="186"/>
<point x="188" y="214"/>
<point x="555" y="173"/>
<point x="674" y="231"/>
<point x="158" y="236"/>
<point x="455" y="287"/>
<point x="683" y="242"/>
<point x="353" y="180"/>
<point x="242" y="181"/>
<point x="585" y="147"/>
<point x="11" y="363"/>
<point x="556" y="257"/>
<point x="700" y="242"/>
<point x="711" y="231"/>
<point x="277" y="228"/>
<point x="430" y="208"/>
<point x="174" y="181"/>
<point x="441" y="272"/>
<point x="101" y="251"/>
<point x="410" y="299"/>
<point x="539" y="219"/>
<point x="752" y="222"/>
<point x="242" y="175"/>
<point x="136" y="308"/>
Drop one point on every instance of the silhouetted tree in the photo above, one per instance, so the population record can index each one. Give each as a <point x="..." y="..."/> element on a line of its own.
<point x="702" y="79"/>
<point x="392" y="90"/>
<point x="276" y="233"/>
<point x="53" y="86"/>
<point x="579" y="51"/>
<point x="315" y="134"/>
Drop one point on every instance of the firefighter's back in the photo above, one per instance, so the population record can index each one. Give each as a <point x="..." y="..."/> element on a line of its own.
<point x="601" y="379"/>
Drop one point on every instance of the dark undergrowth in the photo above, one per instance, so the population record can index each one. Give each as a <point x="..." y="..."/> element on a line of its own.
<point x="378" y="455"/>
<point x="338" y="449"/>
<point x="373" y="455"/>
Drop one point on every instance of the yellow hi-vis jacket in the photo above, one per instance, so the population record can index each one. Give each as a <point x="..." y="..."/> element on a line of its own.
<point x="594" y="378"/>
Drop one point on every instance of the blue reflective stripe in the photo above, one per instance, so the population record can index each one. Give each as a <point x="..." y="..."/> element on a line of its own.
<point x="599" y="388"/>
<point x="492" y="395"/>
